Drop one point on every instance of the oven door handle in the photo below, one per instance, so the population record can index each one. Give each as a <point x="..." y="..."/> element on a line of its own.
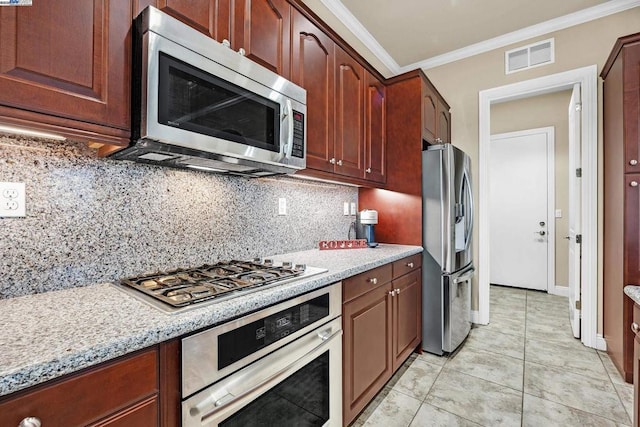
<point x="240" y="384"/>
<point x="287" y="117"/>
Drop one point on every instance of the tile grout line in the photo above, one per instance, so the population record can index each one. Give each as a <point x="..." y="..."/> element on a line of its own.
<point x="524" y="356"/>
<point x="615" y="388"/>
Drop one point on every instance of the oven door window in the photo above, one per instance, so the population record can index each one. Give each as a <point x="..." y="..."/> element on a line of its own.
<point x="191" y="99"/>
<point x="300" y="400"/>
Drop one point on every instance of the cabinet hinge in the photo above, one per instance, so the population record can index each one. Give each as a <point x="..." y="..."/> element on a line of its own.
<point x="578" y="238"/>
<point x="578" y="305"/>
<point x="579" y="172"/>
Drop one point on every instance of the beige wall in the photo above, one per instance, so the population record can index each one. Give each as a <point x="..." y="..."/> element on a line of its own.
<point x="537" y="112"/>
<point x="575" y="47"/>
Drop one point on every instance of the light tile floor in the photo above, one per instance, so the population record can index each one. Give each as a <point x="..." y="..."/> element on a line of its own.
<point x="523" y="369"/>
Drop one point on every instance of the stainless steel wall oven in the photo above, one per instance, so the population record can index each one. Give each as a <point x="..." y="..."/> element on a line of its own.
<point x="279" y="366"/>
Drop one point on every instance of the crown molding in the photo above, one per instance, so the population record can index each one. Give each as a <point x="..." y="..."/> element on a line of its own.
<point x="361" y="33"/>
<point x="595" y="12"/>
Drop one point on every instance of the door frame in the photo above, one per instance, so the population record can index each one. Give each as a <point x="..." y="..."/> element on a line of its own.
<point x="549" y="131"/>
<point x="587" y="77"/>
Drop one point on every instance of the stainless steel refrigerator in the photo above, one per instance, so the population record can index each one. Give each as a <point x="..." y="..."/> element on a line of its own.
<point x="447" y="265"/>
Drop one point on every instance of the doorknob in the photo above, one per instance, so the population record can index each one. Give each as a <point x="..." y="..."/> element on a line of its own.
<point x="541" y="232"/>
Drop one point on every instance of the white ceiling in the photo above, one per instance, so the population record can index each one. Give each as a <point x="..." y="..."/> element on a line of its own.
<point x="409" y="34"/>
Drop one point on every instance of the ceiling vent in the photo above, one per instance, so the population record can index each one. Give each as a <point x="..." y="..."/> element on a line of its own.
<point x="530" y="56"/>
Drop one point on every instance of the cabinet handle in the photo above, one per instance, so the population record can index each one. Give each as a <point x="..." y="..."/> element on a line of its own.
<point x="392" y="293"/>
<point x="332" y="160"/>
<point x="373" y="280"/>
<point x="410" y="265"/>
<point x="397" y="291"/>
<point x="30" y="422"/>
<point x="633" y="183"/>
<point x="635" y="327"/>
<point x="368" y="170"/>
<point x="339" y="162"/>
<point x="633" y="162"/>
<point x="439" y="140"/>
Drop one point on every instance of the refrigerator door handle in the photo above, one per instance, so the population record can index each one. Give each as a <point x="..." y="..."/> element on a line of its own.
<point x="466" y="276"/>
<point x="469" y="210"/>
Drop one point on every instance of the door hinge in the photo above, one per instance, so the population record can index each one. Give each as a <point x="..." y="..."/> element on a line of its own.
<point x="578" y="238"/>
<point x="578" y="106"/>
<point x="578" y="305"/>
<point x="579" y="172"/>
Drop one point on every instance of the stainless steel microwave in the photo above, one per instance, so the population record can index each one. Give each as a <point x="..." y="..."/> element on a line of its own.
<point x="198" y="104"/>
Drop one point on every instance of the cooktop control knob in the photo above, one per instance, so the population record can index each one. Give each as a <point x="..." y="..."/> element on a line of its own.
<point x="287" y="264"/>
<point x="300" y="267"/>
<point x="268" y="261"/>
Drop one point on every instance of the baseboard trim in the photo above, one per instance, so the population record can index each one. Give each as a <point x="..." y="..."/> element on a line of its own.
<point x="601" y="344"/>
<point x="562" y="291"/>
<point x="475" y="318"/>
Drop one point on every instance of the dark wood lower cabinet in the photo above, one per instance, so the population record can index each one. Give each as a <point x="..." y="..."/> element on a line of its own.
<point x="407" y="319"/>
<point x="381" y="322"/>
<point x="124" y="392"/>
<point x="636" y="365"/>
<point x="366" y="349"/>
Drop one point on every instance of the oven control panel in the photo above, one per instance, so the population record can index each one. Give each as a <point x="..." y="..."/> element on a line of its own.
<point x="245" y="340"/>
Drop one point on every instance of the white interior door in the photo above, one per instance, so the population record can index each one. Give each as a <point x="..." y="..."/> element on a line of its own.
<point x="519" y="208"/>
<point x="575" y="209"/>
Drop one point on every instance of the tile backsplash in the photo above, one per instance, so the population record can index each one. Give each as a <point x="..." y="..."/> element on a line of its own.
<point x="91" y="220"/>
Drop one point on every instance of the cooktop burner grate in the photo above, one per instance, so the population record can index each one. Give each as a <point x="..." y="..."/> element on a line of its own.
<point x="184" y="287"/>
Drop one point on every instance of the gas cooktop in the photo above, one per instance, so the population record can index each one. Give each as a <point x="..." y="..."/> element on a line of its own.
<point x="181" y="289"/>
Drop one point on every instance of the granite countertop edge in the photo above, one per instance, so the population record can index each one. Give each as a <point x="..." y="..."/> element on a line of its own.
<point x="633" y="292"/>
<point x="110" y="323"/>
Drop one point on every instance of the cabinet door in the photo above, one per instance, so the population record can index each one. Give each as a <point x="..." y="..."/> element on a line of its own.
<point x="407" y="318"/>
<point x="67" y="59"/>
<point x="632" y="229"/>
<point x="444" y="123"/>
<point x="97" y="393"/>
<point x="631" y="106"/>
<point x="366" y="349"/>
<point x="263" y="29"/>
<point x="211" y="17"/>
<point x="375" y="130"/>
<point x="313" y="69"/>
<point x="349" y="94"/>
<point x="429" y="114"/>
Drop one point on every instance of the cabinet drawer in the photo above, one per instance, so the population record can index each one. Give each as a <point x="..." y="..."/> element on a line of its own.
<point x="406" y="265"/>
<point x="364" y="282"/>
<point x="89" y="396"/>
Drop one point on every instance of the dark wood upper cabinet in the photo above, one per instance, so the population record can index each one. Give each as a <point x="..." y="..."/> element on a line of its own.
<point x="65" y="69"/>
<point x="313" y="69"/>
<point x="375" y="130"/>
<point x="349" y="124"/>
<point x="263" y="29"/>
<point x="444" y="123"/>
<point x="429" y="114"/>
<point x="436" y="119"/>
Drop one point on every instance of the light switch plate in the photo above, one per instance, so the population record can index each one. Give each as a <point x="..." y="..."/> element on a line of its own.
<point x="353" y="208"/>
<point x="12" y="199"/>
<point x="345" y="209"/>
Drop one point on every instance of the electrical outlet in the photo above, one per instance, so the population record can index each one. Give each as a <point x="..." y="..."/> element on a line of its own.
<point x="12" y="199"/>
<point x="345" y="209"/>
<point x="353" y="208"/>
<point x="282" y="206"/>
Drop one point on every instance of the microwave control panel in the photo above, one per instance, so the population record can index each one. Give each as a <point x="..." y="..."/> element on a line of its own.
<point x="298" y="135"/>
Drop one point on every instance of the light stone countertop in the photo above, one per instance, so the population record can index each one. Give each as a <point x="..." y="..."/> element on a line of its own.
<point x="633" y="292"/>
<point x="55" y="333"/>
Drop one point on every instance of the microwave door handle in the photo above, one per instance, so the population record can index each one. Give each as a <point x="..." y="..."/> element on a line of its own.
<point x="288" y="116"/>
